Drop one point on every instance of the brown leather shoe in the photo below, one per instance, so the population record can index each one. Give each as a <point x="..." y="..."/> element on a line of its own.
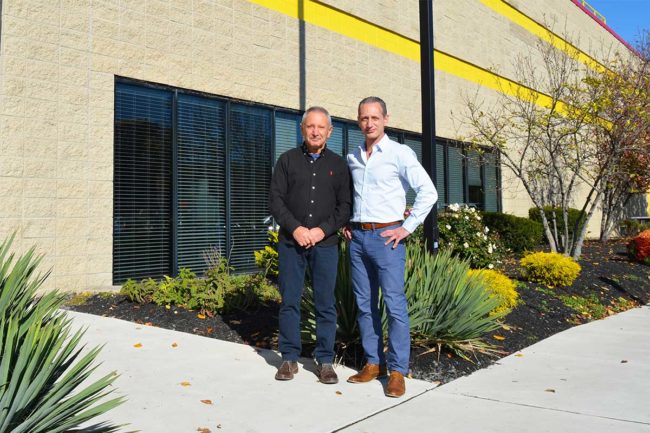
<point x="287" y="370"/>
<point x="326" y="374"/>
<point x="368" y="372"/>
<point x="396" y="386"/>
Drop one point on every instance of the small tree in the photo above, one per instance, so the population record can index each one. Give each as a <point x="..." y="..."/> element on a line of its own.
<point x="540" y="128"/>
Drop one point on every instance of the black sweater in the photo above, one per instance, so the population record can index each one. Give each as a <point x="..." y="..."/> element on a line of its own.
<point x="310" y="193"/>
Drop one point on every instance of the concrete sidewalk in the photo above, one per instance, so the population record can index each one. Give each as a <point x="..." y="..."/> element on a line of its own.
<point x="592" y="378"/>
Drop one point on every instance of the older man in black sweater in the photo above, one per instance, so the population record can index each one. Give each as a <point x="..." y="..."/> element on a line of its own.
<point x="310" y="200"/>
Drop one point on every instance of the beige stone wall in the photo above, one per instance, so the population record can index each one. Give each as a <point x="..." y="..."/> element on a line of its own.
<point x="58" y="62"/>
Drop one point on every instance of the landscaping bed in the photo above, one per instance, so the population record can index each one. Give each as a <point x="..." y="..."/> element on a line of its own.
<point x="608" y="283"/>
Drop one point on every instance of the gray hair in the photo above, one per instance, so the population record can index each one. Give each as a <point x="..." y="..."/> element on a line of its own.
<point x="372" y="100"/>
<point x="317" y="109"/>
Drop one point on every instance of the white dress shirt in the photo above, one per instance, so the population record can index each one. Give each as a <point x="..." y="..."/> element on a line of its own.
<point x="382" y="181"/>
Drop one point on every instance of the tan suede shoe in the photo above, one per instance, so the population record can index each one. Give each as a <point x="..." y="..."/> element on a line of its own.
<point x="396" y="386"/>
<point x="368" y="372"/>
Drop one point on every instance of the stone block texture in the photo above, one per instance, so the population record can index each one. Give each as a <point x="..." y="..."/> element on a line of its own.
<point x="59" y="60"/>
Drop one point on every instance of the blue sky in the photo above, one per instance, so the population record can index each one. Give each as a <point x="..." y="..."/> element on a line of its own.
<point x="626" y="17"/>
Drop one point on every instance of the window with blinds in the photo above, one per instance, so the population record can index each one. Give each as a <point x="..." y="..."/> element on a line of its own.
<point x="287" y="133"/>
<point x="250" y="171"/>
<point x="491" y="188"/>
<point x="201" y="180"/>
<point x="192" y="173"/>
<point x="142" y="183"/>
<point x="455" y="177"/>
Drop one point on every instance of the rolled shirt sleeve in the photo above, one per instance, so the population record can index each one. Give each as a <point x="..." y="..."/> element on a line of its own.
<point x="426" y="195"/>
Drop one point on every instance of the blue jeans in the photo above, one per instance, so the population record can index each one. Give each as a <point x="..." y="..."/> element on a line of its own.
<point x="376" y="265"/>
<point x="323" y="262"/>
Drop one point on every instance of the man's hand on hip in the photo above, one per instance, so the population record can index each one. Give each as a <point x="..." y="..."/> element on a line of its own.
<point x="395" y="236"/>
<point x="316" y="235"/>
<point x="303" y="237"/>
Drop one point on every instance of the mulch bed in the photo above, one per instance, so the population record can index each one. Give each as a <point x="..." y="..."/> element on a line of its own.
<point x="606" y="273"/>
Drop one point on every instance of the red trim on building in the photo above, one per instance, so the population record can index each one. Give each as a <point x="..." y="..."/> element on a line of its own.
<point x="605" y="26"/>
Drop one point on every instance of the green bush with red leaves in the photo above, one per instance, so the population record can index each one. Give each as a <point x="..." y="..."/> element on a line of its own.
<point x="639" y="247"/>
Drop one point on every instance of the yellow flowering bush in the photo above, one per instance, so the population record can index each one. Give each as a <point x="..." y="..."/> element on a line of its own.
<point x="550" y="269"/>
<point x="499" y="286"/>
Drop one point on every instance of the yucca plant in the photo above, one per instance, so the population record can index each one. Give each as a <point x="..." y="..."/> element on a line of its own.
<point x="446" y="305"/>
<point x="41" y="362"/>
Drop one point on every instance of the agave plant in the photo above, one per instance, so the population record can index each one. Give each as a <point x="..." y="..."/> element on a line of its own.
<point x="41" y="361"/>
<point x="446" y="305"/>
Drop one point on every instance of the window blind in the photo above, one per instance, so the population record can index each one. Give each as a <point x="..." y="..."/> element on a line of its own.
<point x="250" y="171"/>
<point x="201" y="177"/>
<point x="142" y="183"/>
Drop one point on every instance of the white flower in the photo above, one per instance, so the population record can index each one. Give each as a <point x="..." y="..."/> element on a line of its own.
<point x="448" y="227"/>
<point x="484" y="237"/>
<point x="456" y="215"/>
<point x="466" y="217"/>
<point x="472" y="210"/>
<point x="486" y="229"/>
<point x="478" y="218"/>
<point x="478" y="234"/>
<point x="454" y="207"/>
<point x="466" y="245"/>
<point x="490" y="266"/>
<point x="490" y="249"/>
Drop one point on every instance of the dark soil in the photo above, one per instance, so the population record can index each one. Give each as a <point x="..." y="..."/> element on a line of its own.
<point x="616" y="282"/>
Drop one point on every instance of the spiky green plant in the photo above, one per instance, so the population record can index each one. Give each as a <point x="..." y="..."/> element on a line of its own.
<point x="41" y="363"/>
<point x="446" y="305"/>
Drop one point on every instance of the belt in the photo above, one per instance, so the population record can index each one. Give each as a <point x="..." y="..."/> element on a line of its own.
<point x="373" y="226"/>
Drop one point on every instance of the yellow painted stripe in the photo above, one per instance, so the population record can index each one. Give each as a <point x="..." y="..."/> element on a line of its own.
<point x="348" y="25"/>
<point x="519" y="18"/>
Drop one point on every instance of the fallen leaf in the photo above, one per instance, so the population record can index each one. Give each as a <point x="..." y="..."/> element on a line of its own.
<point x="206" y="401"/>
<point x="339" y="393"/>
<point x="204" y="430"/>
<point x="519" y="355"/>
<point x="201" y="316"/>
<point x="137" y="345"/>
<point x="185" y="383"/>
<point x="436" y="382"/>
<point x="174" y="344"/>
<point x="498" y="337"/>
<point x="506" y="327"/>
<point x="168" y="307"/>
<point x="549" y="390"/>
<point x="624" y="361"/>
<point x="209" y="330"/>
<point x="148" y="324"/>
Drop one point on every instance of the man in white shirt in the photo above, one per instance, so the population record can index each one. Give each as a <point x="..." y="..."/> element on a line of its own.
<point x="382" y="171"/>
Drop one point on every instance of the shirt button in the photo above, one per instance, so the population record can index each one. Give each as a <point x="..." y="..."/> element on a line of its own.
<point x="312" y="201"/>
<point x="314" y="174"/>
<point x="311" y="162"/>
<point x="309" y="215"/>
<point x="313" y="187"/>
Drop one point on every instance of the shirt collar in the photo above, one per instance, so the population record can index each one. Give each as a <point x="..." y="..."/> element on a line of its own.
<point x="306" y="152"/>
<point x="381" y="145"/>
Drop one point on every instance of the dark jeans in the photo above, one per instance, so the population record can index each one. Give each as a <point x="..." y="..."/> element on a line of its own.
<point x="323" y="262"/>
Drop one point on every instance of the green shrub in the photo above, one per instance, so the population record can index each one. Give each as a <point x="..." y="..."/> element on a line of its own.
<point x="43" y="375"/>
<point x="267" y="258"/>
<point x="517" y="234"/>
<point x="550" y="269"/>
<point x="446" y="305"/>
<point x="500" y="287"/>
<point x="574" y="216"/>
<point x="219" y="291"/>
<point x="631" y="228"/>
<point x="462" y="233"/>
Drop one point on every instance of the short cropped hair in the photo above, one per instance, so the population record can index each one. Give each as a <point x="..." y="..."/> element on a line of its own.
<point x="372" y="100"/>
<point x="317" y="109"/>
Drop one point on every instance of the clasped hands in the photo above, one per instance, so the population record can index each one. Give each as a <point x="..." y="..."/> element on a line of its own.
<point x="307" y="238"/>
